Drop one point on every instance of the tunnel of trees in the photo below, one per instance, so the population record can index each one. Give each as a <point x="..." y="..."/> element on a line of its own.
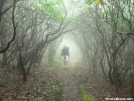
<point x="31" y="32"/>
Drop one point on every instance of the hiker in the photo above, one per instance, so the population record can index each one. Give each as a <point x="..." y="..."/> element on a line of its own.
<point x="65" y="54"/>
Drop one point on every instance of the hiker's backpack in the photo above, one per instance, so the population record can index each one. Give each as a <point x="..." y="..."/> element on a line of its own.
<point x="65" y="51"/>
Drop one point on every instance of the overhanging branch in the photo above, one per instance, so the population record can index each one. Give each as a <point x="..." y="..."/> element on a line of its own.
<point x="14" y="27"/>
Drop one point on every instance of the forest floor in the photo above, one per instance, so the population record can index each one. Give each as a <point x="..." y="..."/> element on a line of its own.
<point x="58" y="84"/>
<point x="42" y="85"/>
<point x="80" y="84"/>
<point x="70" y="88"/>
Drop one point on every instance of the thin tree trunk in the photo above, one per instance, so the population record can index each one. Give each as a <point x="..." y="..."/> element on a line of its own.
<point x="22" y="67"/>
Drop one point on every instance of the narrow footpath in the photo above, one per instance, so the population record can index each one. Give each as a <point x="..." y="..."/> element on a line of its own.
<point x="69" y="86"/>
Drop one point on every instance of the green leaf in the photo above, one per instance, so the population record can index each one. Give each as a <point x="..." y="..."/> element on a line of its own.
<point x="90" y="1"/>
<point x="36" y="64"/>
<point x="123" y="25"/>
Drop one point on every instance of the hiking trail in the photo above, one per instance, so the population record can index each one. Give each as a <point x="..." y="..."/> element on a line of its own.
<point x="69" y="86"/>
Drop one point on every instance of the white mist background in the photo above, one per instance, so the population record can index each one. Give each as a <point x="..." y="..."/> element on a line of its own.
<point x="75" y="53"/>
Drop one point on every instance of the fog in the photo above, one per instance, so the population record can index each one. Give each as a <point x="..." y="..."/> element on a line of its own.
<point x="100" y="37"/>
<point x="75" y="53"/>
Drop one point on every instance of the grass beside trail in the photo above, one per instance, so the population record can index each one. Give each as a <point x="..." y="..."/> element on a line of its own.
<point x="85" y="96"/>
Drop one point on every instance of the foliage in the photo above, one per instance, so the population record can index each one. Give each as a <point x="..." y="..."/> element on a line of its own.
<point x="85" y="96"/>
<point x="41" y="85"/>
<point x="98" y="2"/>
<point x="35" y="64"/>
<point x="51" y="7"/>
<point x="73" y="65"/>
<point x="55" y="92"/>
<point x="56" y="64"/>
<point x="90" y="1"/>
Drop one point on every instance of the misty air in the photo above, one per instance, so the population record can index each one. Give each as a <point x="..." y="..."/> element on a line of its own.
<point x="66" y="50"/>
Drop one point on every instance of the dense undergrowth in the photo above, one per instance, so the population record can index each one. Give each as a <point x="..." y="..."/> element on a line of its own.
<point x="85" y="96"/>
<point x="42" y="84"/>
<point x="45" y="84"/>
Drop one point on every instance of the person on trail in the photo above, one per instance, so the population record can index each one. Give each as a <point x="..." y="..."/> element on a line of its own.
<point x="65" y="54"/>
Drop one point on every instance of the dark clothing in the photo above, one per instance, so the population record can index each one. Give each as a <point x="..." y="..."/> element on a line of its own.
<point x="65" y="51"/>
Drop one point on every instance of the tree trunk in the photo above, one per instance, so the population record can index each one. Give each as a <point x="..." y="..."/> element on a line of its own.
<point x="22" y="67"/>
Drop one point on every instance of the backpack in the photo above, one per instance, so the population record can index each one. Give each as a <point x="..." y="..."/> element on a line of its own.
<point x="65" y="51"/>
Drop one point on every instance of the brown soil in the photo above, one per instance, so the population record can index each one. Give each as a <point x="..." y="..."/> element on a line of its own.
<point x="41" y="81"/>
<point x="70" y="89"/>
<point x="98" y="86"/>
<point x="41" y="85"/>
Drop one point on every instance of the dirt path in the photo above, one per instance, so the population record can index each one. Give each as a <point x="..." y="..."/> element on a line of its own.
<point x="69" y="86"/>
